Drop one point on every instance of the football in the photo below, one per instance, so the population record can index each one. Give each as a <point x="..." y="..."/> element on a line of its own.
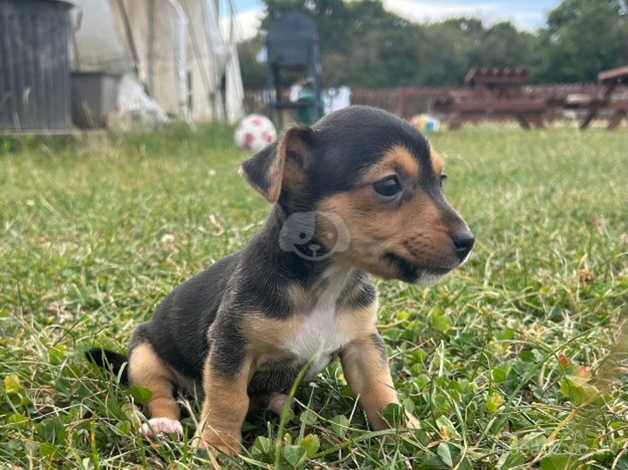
<point x="254" y="132"/>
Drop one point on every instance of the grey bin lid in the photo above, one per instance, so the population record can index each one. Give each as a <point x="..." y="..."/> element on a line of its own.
<point x="291" y="39"/>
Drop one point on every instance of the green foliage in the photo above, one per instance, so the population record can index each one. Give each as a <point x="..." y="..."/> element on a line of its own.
<point x="141" y="395"/>
<point x="394" y="415"/>
<point x="363" y="44"/>
<point x="253" y="72"/>
<point x="294" y="455"/>
<point x="557" y="462"/>
<point x="311" y="443"/>
<point x="510" y="362"/>
<point x="582" y="38"/>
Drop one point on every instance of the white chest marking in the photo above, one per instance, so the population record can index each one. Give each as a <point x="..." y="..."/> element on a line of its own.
<point x="319" y="335"/>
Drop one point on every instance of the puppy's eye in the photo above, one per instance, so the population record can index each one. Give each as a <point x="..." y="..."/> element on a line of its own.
<point x="387" y="187"/>
<point x="443" y="177"/>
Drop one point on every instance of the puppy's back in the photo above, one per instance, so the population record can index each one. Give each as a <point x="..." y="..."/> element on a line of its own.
<point x="178" y="328"/>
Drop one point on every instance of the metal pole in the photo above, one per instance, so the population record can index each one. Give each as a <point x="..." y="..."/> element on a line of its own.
<point x="150" y="53"/>
<point x="129" y="36"/>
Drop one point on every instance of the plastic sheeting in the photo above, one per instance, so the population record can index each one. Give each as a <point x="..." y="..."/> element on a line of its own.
<point x="182" y="58"/>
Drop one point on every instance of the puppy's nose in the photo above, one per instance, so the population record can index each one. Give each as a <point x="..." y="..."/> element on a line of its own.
<point x="463" y="241"/>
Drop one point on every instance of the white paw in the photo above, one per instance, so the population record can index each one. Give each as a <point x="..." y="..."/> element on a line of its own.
<point x="277" y="402"/>
<point x="157" y="427"/>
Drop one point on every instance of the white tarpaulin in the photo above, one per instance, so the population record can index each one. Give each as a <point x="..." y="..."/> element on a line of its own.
<point x="174" y="47"/>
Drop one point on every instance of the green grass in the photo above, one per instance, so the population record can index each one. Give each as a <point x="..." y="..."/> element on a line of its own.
<point x="495" y="361"/>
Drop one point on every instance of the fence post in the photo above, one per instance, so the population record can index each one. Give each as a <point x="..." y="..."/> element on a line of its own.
<point x="401" y="103"/>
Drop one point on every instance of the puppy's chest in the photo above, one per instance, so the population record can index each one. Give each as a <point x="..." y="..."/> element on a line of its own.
<point x="317" y="339"/>
<point x="323" y="322"/>
<point x="322" y="332"/>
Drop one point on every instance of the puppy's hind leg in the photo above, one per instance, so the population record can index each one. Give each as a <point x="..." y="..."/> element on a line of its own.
<point x="147" y="370"/>
<point x="271" y="401"/>
<point x="277" y="402"/>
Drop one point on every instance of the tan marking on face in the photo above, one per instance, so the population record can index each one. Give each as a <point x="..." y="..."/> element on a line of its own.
<point x="415" y="231"/>
<point x="395" y="158"/>
<point x="147" y="370"/>
<point x="437" y="162"/>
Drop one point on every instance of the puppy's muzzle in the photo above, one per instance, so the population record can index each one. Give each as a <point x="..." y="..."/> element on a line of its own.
<point x="463" y="242"/>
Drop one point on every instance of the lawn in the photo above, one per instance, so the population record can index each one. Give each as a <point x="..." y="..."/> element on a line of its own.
<point x="514" y="361"/>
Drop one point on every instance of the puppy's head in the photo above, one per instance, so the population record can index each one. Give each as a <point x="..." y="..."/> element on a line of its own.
<point x="368" y="188"/>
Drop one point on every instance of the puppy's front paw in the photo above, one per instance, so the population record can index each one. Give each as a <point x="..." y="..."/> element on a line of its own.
<point x="412" y="422"/>
<point x="223" y="442"/>
<point x="158" y="427"/>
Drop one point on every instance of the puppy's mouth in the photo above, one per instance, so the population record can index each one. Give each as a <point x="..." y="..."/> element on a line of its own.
<point x="412" y="272"/>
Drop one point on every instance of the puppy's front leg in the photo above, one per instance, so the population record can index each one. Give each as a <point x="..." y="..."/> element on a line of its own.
<point x="226" y="400"/>
<point x="365" y="367"/>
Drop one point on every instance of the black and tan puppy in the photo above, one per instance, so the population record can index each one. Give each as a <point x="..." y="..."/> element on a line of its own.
<point x="359" y="192"/>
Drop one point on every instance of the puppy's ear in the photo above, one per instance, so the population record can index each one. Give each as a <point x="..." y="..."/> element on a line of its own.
<point x="280" y="165"/>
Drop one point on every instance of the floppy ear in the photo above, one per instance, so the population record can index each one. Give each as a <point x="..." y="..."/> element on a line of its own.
<point x="280" y="165"/>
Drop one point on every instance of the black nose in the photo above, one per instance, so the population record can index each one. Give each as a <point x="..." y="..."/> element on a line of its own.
<point x="463" y="241"/>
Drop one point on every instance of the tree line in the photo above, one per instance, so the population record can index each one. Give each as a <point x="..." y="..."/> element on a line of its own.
<point x="364" y="45"/>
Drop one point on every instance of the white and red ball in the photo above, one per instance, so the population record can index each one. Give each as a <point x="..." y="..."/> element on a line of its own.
<point x="254" y="132"/>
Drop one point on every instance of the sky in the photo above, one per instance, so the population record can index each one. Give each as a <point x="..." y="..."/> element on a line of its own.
<point x="526" y="14"/>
